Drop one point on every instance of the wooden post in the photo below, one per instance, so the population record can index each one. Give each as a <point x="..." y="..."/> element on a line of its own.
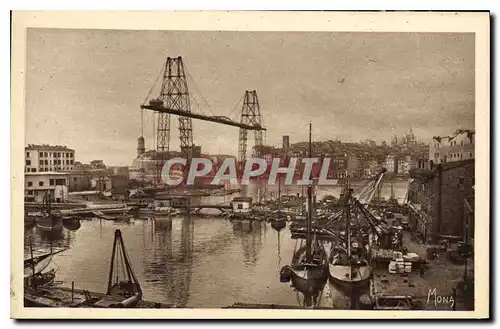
<point x="72" y="291"/>
<point x="454" y="299"/>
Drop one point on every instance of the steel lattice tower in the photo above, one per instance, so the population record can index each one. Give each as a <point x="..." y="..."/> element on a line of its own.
<point x="175" y="95"/>
<point x="250" y="114"/>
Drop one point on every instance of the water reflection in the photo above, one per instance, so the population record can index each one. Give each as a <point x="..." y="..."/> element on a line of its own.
<point x="168" y="258"/>
<point x="250" y="234"/>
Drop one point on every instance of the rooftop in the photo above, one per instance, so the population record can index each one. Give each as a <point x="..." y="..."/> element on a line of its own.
<point x="46" y="173"/>
<point x="48" y="147"/>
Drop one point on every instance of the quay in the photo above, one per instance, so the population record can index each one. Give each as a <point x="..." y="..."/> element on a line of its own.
<point x="428" y="286"/>
<point x="271" y="306"/>
<point x="52" y="296"/>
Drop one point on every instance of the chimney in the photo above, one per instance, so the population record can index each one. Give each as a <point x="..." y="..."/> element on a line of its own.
<point x="286" y="142"/>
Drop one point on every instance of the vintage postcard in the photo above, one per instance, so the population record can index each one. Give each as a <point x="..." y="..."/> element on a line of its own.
<point x="250" y="165"/>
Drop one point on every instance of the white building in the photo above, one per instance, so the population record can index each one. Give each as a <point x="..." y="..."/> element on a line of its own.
<point x="48" y="158"/>
<point x="390" y="163"/>
<point x="459" y="146"/>
<point x="241" y="205"/>
<point x="38" y="184"/>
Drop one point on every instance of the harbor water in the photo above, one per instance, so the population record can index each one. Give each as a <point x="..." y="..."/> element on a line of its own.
<point x="191" y="261"/>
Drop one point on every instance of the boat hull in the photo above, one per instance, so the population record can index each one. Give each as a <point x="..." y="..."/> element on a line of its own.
<point x="347" y="278"/>
<point x="308" y="279"/>
<point x="278" y="224"/>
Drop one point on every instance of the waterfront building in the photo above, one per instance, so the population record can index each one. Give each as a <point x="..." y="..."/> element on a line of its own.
<point x="441" y="199"/>
<point x="101" y="183"/>
<point x="458" y="147"/>
<point x="405" y="164"/>
<point x="374" y="168"/>
<point x="43" y="158"/>
<point x="391" y="163"/>
<point x="39" y="184"/>
<point x="353" y="166"/>
<point x="241" y="205"/>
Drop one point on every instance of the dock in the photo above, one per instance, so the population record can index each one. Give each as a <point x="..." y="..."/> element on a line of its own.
<point x="67" y="297"/>
<point x="271" y="306"/>
<point x="433" y="289"/>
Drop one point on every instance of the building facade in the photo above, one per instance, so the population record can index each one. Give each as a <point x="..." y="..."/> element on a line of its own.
<point x="39" y="184"/>
<point x="439" y="196"/>
<point x="43" y="158"/>
<point x="458" y="147"/>
<point x="391" y="163"/>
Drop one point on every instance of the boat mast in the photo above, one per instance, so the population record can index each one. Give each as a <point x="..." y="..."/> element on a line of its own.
<point x="348" y="220"/>
<point x="309" y="207"/>
<point x="32" y="263"/>
<point x="279" y="196"/>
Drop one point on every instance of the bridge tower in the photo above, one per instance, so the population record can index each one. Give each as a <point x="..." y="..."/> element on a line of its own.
<point x="250" y="115"/>
<point x="175" y="95"/>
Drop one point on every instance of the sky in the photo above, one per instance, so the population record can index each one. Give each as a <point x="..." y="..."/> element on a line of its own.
<point x="84" y="88"/>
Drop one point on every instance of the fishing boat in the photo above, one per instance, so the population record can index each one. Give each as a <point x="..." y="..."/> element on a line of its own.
<point x="71" y="223"/>
<point x="34" y="267"/>
<point x="48" y="222"/>
<point x="348" y="265"/>
<point x="40" y="279"/>
<point x="121" y="292"/>
<point x="308" y="268"/>
<point x="279" y="222"/>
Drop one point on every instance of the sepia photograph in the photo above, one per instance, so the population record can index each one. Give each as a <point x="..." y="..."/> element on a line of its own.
<point x="250" y="161"/>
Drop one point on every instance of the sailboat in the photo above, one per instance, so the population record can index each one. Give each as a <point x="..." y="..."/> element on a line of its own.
<point x="308" y="268"/>
<point x="121" y="293"/>
<point x="349" y="268"/>
<point x="34" y="267"/>
<point x="49" y="222"/>
<point x="280" y="222"/>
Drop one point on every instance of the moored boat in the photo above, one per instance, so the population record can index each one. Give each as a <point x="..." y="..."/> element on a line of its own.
<point x="348" y="267"/>
<point x="71" y="223"/>
<point x="308" y="268"/>
<point x="121" y="292"/>
<point x="279" y="222"/>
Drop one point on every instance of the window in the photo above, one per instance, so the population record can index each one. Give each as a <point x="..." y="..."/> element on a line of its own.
<point x="40" y="183"/>
<point x="51" y="182"/>
<point x="470" y="154"/>
<point x="41" y="162"/>
<point x="27" y="154"/>
<point x="28" y="162"/>
<point x="60" y="181"/>
<point x="30" y="184"/>
<point x="30" y="192"/>
<point x="33" y="169"/>
<point x="46" y="154"/>
<point x="461" y="143"/>
<point x="74" y="179"/>
<point x="46" y="162"/>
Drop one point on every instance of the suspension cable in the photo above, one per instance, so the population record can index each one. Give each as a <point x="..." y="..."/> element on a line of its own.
<point x="235" y="107"/>
<point x="154" y="84"/>
<point x="197" y="89"/>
